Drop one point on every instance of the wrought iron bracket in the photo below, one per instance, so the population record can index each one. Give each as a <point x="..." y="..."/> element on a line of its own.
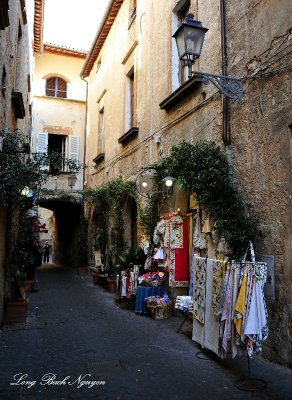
<point x="230" y="87"/>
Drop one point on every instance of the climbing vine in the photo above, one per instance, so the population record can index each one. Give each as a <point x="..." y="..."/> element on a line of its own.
<point x="203" y="168"/>
<point x="148" y="215"/>
<point x="108" y="200"/>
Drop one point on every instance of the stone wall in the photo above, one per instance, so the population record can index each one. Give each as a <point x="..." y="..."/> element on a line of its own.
<point x="15" y="75"/>
<point x="261" y="144"/>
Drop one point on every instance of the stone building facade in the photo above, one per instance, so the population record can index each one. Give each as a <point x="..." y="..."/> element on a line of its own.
<point x="141" y="103"/>
<point x="15" y="84"/>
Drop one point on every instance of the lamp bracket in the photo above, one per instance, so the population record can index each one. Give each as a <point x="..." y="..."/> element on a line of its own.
<point x="230" y="87"/>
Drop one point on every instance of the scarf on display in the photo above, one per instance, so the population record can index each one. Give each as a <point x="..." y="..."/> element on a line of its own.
<point x="172" y="233"/>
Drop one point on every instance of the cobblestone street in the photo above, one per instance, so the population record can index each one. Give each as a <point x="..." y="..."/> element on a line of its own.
<point x="76" y="337"/>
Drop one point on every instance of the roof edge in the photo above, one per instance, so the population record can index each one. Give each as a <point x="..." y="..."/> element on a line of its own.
<point x="38" y="26"/>
<point x="101" y="35"/>
<point x="63" y="50"/>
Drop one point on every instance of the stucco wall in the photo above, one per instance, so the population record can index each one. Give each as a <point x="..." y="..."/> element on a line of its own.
<point x="152" y="61"/>
<point x="64" y="66"/>
<point x="56" y="115"/>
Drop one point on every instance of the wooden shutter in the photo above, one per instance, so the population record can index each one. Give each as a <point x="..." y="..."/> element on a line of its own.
<point x="42" y="146"/>
<point x="62" y="88"/>
<point x="74" y="148"/>
<point x="50" y="87"/>
<point x="42" y="142"/>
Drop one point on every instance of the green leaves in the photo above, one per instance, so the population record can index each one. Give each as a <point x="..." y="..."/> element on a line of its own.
<point x="19" y="169"/>
<point x="203" y="168"/>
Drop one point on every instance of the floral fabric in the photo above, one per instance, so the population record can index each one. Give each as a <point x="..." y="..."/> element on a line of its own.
<point x="200" y="265"/>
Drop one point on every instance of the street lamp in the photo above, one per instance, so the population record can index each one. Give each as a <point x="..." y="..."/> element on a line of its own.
<point x="189" y="39"/>
<point x="72" y="178"/>
<point x="145" y="184"/>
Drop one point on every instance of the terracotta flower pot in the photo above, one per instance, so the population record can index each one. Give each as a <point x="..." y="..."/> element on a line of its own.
<point x="16" y="310"/>
<point x="112" y="285"/>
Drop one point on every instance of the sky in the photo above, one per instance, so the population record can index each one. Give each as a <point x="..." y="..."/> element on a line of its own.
<point x="72" y="23"/>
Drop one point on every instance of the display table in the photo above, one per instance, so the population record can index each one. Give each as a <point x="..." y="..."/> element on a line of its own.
<point x="146" y="291"/>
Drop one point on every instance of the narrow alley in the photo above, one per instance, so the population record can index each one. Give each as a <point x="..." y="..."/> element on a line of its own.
<point x="78" y="343"/>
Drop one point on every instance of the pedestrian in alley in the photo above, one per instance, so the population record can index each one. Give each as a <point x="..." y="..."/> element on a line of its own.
<point x="46" y="252"/>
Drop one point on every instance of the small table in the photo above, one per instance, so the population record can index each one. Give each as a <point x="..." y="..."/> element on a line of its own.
<point x="187" y="316"/>
<point x="145" y="291"/>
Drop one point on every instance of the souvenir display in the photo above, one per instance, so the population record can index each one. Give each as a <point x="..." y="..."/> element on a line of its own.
<point x="159" y="307"/>
<point x="229" y="310"/>
<point x="151" y="279"/>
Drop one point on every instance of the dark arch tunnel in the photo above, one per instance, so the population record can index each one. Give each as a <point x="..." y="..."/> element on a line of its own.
<point x="67" y="246"/>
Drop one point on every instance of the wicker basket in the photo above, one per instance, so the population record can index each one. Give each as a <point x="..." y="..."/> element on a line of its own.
<point x="150" y="282"/>
<point x="160" y="311"/>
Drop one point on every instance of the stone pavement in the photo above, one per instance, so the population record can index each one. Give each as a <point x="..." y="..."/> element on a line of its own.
<point x="78" y="344"/>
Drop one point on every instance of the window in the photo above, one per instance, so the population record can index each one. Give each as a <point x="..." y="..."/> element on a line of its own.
<point x="180" y="72"/>
<point x="3" y="81"/>
<point x="130" y="103"/>
<point x="67" y="146"/>
<point x="56" y="87"/>
<point x="100" y="138"/>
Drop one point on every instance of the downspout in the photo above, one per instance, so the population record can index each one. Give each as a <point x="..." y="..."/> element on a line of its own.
<point x="225" y="103"/>
<point x="85" y="130"/>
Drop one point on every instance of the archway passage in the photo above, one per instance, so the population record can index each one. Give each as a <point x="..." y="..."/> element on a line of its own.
<point x="67" y="236"/>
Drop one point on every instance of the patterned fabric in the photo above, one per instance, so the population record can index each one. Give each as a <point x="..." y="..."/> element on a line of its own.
<point x="200" y="265"/>
<point x="219" y="268"/>
<point x="239" y="306"/>
<point x="176" y="232"/>
<point x="227" y="310"/>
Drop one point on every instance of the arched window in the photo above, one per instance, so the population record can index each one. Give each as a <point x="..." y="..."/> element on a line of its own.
<point x="56" y="87"/>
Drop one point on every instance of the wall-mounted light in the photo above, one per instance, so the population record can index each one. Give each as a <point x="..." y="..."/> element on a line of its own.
<point x="146" y="186"/>
<point x="72" y="178"/>
<point x="189" y="39"/>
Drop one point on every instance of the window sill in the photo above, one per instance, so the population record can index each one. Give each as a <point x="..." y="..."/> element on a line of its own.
<point x="179" y="94"/>
<point x="131" y="134"/>
<point x="99" y="158"/>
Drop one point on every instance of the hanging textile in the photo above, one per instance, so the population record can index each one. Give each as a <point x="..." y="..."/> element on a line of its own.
<point x="199" y="295"/>
<point x="171" y="233"/>
<point x="179" y="275"/>
<point x="205" y="323"/>
<point x="235" y="319"/>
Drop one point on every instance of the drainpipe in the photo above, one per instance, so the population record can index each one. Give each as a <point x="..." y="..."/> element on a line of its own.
<point x="225" y="103"/>
<point x="85" y="130"/>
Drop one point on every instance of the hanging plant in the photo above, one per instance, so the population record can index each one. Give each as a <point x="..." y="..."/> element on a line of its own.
<point x="203" y="168"/>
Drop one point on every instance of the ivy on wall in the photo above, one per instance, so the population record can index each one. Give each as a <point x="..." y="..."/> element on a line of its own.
<point x="203" y="168"/>
<point x="108" y="200"/>
<point x="149" y="215"/>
